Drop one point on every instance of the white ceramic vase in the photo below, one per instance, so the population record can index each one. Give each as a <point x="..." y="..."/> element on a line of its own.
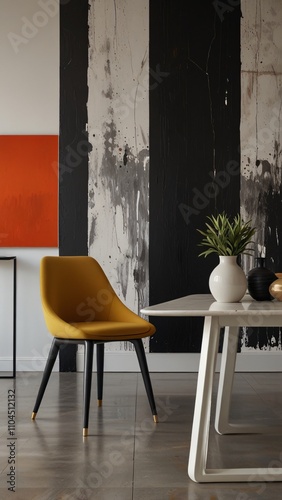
<point x="228" y="282"/>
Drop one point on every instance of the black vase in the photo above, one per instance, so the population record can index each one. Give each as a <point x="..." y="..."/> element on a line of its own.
<point x="259" y="279"/>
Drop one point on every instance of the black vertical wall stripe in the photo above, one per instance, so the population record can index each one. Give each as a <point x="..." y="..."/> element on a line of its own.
<point x="73" y="141"/>
<point x="194" y="150"/>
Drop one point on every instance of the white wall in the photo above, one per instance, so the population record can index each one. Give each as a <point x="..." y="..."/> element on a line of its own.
<point x="29" y="58"/>
<point x="29" y="103"/>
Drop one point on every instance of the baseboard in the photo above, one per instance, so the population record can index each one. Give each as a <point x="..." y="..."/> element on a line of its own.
<point x="121" y="361"/>
<point x="25" y="364"/>
<point x="185" y="362"/>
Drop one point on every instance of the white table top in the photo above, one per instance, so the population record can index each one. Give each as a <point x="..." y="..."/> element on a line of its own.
<point x="205" y="305"/>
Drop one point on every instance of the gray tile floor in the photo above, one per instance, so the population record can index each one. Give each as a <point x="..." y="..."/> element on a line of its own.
<point x="127" y="456"/>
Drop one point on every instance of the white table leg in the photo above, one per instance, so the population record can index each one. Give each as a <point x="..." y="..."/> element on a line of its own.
<point x="225" y="385"/>
<point x="201" y="422"/>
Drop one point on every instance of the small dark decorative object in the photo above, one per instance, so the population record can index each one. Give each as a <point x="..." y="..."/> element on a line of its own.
<point x="259" y="280"/>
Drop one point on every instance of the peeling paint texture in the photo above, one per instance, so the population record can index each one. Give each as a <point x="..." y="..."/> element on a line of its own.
<point x="261" y="103"/>
<point x="118" y="115"/>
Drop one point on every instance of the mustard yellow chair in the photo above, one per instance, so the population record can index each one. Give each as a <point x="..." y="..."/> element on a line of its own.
<point x="81" y="307"/>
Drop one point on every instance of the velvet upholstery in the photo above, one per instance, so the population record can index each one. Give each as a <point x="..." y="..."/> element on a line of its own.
<point x="81" y="307"/>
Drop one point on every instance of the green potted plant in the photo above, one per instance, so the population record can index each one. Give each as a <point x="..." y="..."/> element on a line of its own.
<point x="228" y="238"/>
<point x="225" y="237"/>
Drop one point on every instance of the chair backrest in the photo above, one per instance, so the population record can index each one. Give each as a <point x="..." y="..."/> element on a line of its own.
<point x="75" y="289"/>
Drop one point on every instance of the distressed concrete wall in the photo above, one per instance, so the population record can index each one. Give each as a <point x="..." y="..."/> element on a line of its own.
<point x="118" y="126"/>
<point x="261" y="170"/>
<point x="261" y="82"/>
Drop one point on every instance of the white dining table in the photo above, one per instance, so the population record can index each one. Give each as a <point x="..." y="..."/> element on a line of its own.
<point x="229" y="316"/>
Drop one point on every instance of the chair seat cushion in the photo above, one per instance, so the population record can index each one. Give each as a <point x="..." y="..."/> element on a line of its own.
<point x="109" y="330"/>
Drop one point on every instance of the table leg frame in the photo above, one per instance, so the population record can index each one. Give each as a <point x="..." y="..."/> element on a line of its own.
<point x="197" y="469"/>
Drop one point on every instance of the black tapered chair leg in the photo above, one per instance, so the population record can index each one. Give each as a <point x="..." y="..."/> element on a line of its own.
<point x="100" y="348"/>
<point x="140" y="351"/>
<point x="88" y="364"/>
<point x="52" y="356"/>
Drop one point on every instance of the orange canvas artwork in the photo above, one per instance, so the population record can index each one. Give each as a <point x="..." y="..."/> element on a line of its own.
<point x="28" y="191"/>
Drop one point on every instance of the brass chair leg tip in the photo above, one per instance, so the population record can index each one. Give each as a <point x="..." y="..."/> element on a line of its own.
<point x="156" y="418"/>
<point x="99" y="402"/>
<point x="33" y="415"/>
<point x="85" y="432"/>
